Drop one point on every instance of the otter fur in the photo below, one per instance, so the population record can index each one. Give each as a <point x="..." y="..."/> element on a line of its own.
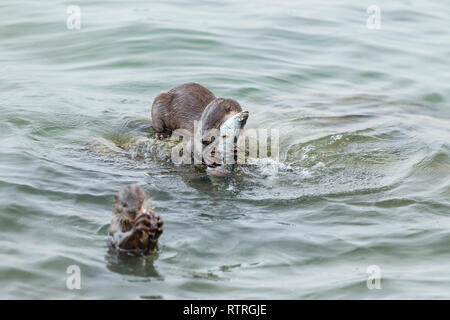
<point x="134" y="225"/>
<point x="189" y="102"/>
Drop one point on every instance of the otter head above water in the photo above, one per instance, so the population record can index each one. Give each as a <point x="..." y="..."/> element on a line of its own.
<point x="134" y="225"/>
<point x="184" y="106"/>
<point x="224" y="157"/>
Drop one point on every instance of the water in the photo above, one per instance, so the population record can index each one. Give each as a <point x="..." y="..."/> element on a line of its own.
<point x="364" y="131"/>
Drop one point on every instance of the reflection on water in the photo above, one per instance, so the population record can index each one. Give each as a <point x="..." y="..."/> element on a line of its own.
<point x="131" y="264"/>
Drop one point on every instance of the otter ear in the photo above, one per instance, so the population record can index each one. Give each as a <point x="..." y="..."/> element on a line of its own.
<point x="116" y="198"/>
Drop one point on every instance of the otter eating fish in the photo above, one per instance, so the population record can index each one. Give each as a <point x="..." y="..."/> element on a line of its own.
<point x="134" y="226"/>
<point x="219" y="121"/>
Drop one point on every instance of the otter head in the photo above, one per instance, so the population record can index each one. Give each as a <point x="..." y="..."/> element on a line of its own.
<point x="223" y="119"/>
<point x="131" y="201"/>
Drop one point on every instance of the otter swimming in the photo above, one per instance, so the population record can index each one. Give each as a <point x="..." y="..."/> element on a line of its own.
<point x="179" y="109"/>
<point x="134" y="225"/>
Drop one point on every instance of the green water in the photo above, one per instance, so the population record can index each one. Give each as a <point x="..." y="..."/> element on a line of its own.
<point x="364" y="124"/>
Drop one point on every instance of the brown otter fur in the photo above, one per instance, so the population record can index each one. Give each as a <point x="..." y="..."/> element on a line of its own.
<point x="216" y="113"/>
<point x="181" y="106"/>
<point x="134" y="225"/>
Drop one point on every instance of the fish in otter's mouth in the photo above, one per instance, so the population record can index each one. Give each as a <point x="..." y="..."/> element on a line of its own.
<point x="194" y="114"/>
<point x="224" y="154"/>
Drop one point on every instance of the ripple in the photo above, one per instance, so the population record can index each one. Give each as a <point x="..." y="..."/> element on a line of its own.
<point x="362" y="178"/>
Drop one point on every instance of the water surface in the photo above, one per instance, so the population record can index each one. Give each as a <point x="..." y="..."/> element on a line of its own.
<point x="364" y="145"/>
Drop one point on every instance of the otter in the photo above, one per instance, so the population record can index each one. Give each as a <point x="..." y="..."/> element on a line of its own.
<point x="180" y="107"/>
<point x="134" y="225"/>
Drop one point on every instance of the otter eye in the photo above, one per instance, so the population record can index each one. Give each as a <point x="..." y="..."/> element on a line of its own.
<point x="124" y="205"/>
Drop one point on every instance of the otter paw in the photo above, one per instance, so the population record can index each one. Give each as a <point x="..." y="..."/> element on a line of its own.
<point x="151" y="224"/>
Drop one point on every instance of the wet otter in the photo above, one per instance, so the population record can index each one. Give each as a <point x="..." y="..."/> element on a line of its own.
<point x="182" y="106"/>
<point x="134" y="225"/>
<point x="179" y="107"/>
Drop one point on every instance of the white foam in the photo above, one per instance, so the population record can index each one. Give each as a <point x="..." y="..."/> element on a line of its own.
<point x="268" y="166"/>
